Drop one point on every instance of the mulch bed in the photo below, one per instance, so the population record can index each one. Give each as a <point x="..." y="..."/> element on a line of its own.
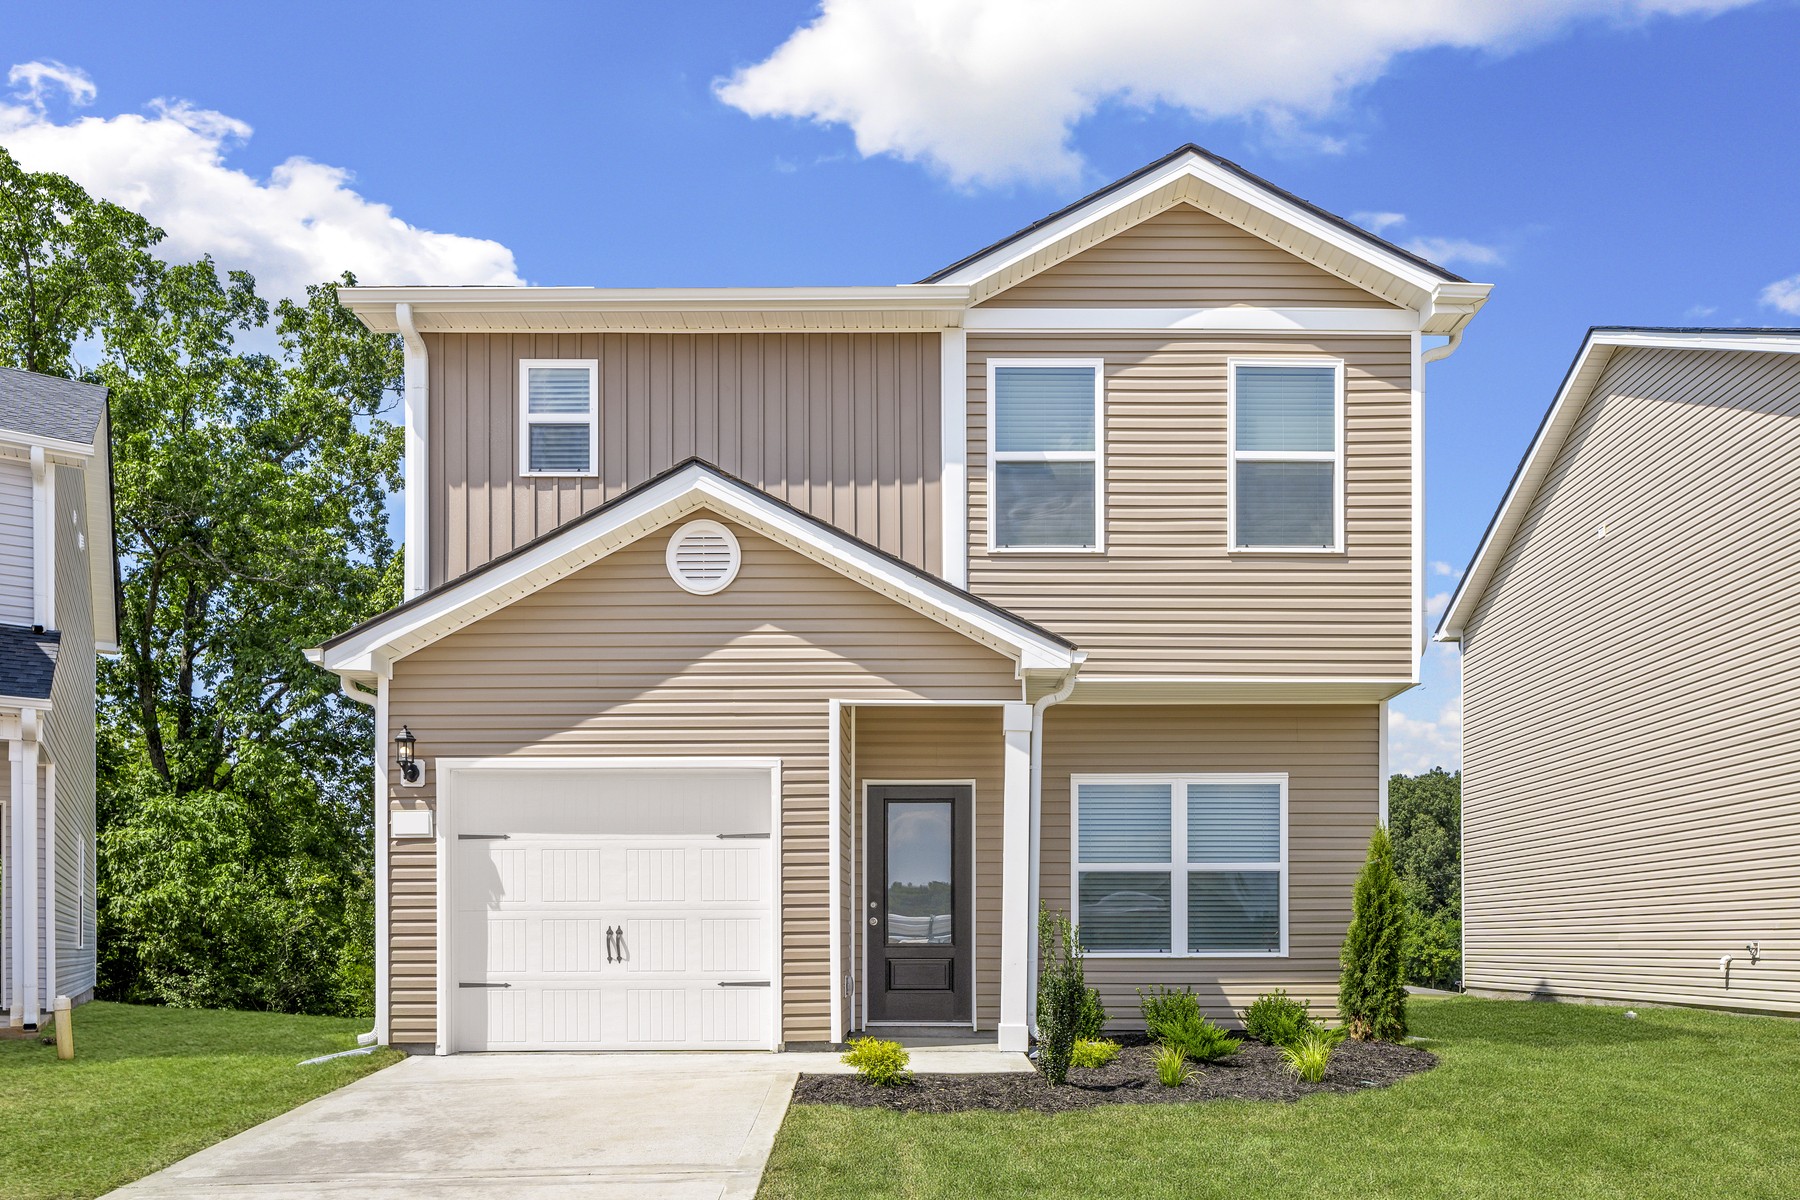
<point x="1255" y="1072"/>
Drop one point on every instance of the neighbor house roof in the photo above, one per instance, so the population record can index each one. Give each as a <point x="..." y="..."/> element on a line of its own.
<point x="1584" y="374"/>
<point x="685" y="488"/>
<point x="45" y="407"/>
<point x="27" y="663"/>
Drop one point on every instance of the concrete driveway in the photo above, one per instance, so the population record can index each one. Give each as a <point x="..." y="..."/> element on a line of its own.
<point x="638" y="1126"/>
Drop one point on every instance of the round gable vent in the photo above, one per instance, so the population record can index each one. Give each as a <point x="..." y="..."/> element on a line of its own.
<point x="703" y="557"/>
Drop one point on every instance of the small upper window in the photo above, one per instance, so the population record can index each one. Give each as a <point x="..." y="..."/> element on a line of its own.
<point x="1045" y="436"/>
<point x="1287" y="455"/>
<point x="559" y="416"/>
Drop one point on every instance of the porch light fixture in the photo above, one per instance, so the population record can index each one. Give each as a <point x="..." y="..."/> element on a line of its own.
<point x="404" y="742"/>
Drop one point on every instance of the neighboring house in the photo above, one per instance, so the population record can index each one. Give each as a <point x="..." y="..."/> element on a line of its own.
<point x="1631" y="734"/>
<point x="771" y="653"/>
<point x="56" y="612"/>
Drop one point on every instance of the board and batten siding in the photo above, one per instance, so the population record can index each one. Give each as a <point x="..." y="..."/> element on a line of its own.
<point x="1330" y="754"/>
<point x="1168" y="597"/>
<point x="618" y="660"/>
<point x="1631" y="741"/>
<point x="927" y="744"/>
<point x="69" y="739"/>
<point x="1184" y="258"/>
<point x="16" y="606"/>
<point x="843" y="426"/>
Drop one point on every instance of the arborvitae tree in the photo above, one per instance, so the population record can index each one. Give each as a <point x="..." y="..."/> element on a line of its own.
<point x="1372" y="994"/>
<point x="1062" y="993"/>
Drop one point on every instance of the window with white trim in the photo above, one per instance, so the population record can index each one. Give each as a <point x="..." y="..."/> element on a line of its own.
<point x="1287" y="454"/>
<point x="1045" y="473"/>
<point x="1181" y="865"/>
<point x="559" y="416"/>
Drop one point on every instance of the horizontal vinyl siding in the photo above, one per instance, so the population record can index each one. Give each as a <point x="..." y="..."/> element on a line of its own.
<point x="937" y="744"/>
<point x="69" y="738"/>
<point x="617" y="660"/>
<point x="1631" y="745"/>
<point x="1167" y="598"/>
<point x="15" y="543"/>
<point x="1184" y="258"/>
<point x="844" y="426"/>
<point x="1330" y="754"/>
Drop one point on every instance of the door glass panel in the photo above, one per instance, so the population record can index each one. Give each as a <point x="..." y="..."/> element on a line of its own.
<point x="918" y="873"/>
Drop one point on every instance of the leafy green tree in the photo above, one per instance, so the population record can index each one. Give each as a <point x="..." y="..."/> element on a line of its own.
<point x="1372" y="989"/>
<point x="66" y="261"/>
<point x="1425" y="819"/>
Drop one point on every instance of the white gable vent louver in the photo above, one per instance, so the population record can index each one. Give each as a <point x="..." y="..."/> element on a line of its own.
<point x="703" y="557"/>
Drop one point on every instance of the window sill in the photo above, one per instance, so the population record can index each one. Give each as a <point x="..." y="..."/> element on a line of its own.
<point x="1164" y="956"/>
<point x="1307" y="551"/>
<point x="1046" y="550"/>
<point x="559" y="474"/>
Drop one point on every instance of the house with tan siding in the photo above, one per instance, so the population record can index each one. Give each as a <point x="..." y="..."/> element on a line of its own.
<point x="770" y="655"/>
<point x="57" y="596"/>
<point x="1631" y="737"/>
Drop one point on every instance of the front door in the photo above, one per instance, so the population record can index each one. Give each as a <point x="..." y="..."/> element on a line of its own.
<point x="920" y="917"/>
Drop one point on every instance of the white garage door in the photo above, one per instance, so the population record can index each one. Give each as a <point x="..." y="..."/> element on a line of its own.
<point x="605" y="909"/>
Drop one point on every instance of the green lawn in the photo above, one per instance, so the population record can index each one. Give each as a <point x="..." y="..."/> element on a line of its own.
<point x="1529" y="1100"/>
<point x="149" y="1086"/>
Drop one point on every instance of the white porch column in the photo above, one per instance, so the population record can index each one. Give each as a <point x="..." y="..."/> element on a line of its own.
<point x="1015" y="880"/>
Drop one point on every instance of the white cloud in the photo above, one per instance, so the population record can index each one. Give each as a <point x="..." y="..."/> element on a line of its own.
<point x="1378" y="222"/>
<point x="1425" y="725"/>
<point x="1784" y="294"/>
<point x="1444" y="251"/>
<point x="990" y="91"/>
<point x="1436" y="603"/>
<point x="1440" y="567"/>
<point x="303" y="224"/>
<point x="1700" y="312"/>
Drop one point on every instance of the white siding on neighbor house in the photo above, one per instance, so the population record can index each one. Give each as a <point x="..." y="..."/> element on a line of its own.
<point x="69" y="741"/>
<point x="1631" y="741"/>
<point x="15" y="542"/>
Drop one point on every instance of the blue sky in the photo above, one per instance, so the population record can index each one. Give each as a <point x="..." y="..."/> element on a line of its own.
<point x="1598" y="161"/>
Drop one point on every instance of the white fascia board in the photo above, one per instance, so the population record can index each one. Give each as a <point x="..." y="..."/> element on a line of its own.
<point x="72" y="453"/>
<point x="376" y="305"/>
<point x="1590" y="364"/>
<point x="1236" y="689"/>
<point x="1214" y="176"/>
<point x="691" y="488"/>
<point x="1238" y="318"/>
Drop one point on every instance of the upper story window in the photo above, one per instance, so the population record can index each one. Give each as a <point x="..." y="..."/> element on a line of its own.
<point x="559" y="416"/>
<point x="1183" y="865"/>
<point x="1287" y="454"/>
<point x="1045" y="433"/>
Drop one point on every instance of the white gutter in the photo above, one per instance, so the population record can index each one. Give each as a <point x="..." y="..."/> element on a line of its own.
<point x="416" y="479"/>
<point x="1440" y="353"/>
<point x="1037" y="825"/>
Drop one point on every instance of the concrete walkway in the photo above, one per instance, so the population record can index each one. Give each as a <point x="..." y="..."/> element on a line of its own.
<point x="528" y="1126"/>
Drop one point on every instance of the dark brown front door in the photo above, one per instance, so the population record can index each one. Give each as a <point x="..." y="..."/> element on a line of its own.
<point x="920" y="921"/>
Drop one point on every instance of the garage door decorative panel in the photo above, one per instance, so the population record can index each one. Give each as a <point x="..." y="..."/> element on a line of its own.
<point x="655" y="876"/>
<point x="656" y="945"/>
<point x="505" y="946"/>
<point x="732" y="876"/>
<point x="658" y="1015"/>
<point x="734" y="1014"/>
<point x="728" y="945"/>
<point x="572" y="1016"/>
<point x="571" y="876"/>
<point x="573" y="947"/>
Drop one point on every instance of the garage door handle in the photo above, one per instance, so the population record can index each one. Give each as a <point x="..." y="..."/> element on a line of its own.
<point x="484" y="837"/>
<point x="484" y="985"/>
<point x="744" y="983"/>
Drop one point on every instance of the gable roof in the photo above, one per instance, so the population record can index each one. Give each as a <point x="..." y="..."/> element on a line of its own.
<point x="1216" y="185"/>
<point x="27" y="663"/>
<point x="688" y="486"/>
<point x="1584" y="375"/>
<point x="44" y="406"/>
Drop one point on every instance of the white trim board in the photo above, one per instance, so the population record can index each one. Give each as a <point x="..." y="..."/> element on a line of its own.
<point x="1235" y="318"/>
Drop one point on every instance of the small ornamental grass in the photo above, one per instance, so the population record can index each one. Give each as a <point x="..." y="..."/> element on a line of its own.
<point x="1093" y="1052"/>
<point x="881" y="1063"/>
<point x="1172" y="1068"/>
<point x="1307" y="1055"/>
<point x="1173" y="1018"/>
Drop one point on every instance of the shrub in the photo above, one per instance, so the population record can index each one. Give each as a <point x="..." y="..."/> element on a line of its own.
<point x="1091" y="1025"/>
<point x="1171" y="1066"/>
<point x="1277" y="1018"/>
<point x="1092" y="1052"/>
<point x="1433" y="949"/>
<point x="1062" y="993"/>
<point x="1372" y="991"/>
<point x="1306" y="1057"/>
<point x="881" y="1063"/>
<point x="1173" y="1018"/>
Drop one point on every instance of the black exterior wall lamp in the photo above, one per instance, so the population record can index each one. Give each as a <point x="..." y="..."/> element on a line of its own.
<point x="404" y="744"/>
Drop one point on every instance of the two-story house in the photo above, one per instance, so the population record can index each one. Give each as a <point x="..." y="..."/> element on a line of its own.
<point x="771" y="654"/>
<point x="56" y="612"/>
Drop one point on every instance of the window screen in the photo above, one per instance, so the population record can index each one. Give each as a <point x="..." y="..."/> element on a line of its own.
<point x="1045" y="456"/>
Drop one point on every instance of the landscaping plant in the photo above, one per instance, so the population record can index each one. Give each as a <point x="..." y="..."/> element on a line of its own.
<point x="1372" y="991"/>
<point x="1091" y="1025"/>
<point x="1307" y="1055"/>
<point x="1278" y="1019"/>
<point x="881" y="1063"/>
<point x="1173" y="1018"/>
<point x="1062" y="993"/>
<point x="1171" y="1066"/>
<point x="1092" y="1052"/>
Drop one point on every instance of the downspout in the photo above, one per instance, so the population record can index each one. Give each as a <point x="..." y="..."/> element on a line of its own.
<point x="414" y="472"/>
<point x="372" y="699"/>
<point x="1037" y="822"/>
<point x="1440" y="353"/>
